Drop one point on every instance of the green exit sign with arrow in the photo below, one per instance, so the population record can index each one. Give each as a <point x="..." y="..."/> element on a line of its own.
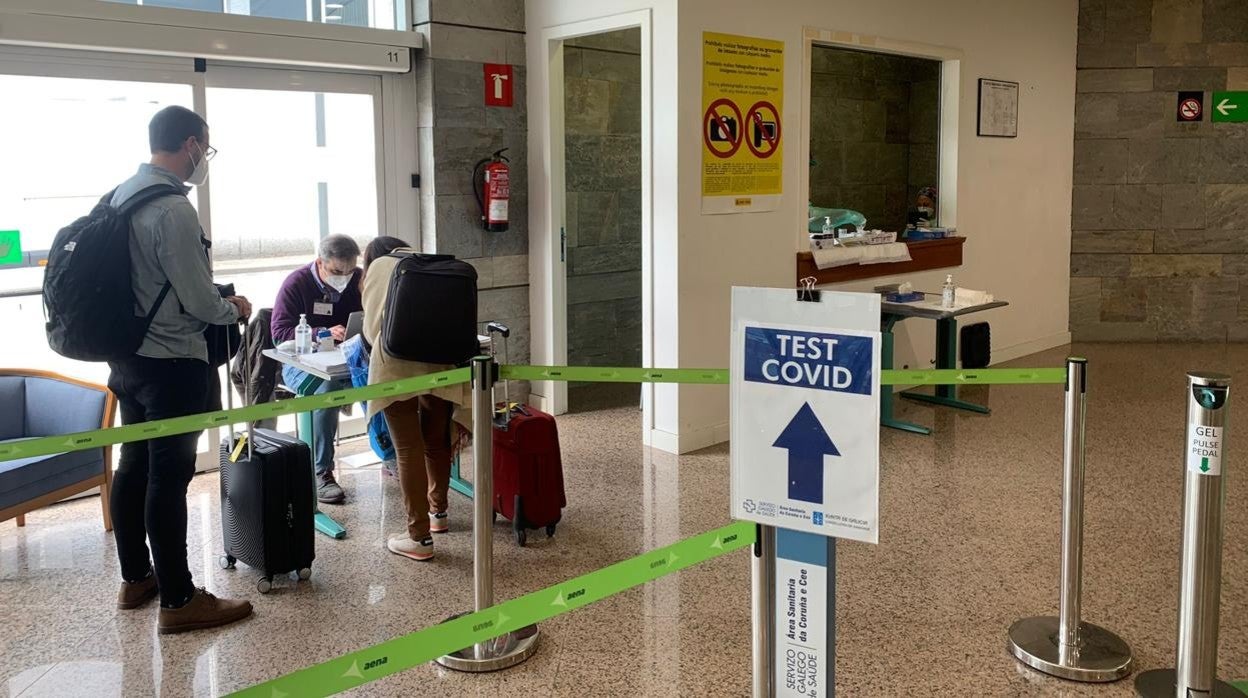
<point x="1229" y="107"/>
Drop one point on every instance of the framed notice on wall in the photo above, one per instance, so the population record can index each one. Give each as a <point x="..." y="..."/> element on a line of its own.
<point x="998" y="108"/>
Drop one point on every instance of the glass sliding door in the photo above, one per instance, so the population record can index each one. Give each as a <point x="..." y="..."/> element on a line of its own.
<point x="64" y="142"/>
<point x="299" y="160"/>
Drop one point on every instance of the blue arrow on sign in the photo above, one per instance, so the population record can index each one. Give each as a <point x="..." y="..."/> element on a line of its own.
<point x="807" y="443"/>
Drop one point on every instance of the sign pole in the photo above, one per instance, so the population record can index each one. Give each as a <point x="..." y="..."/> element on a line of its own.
<point x="1200" y="583"/>
<point x="1065" y="646"/>
<point x="763" y="607"/>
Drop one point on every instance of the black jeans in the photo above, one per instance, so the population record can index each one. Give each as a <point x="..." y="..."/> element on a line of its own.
<point x="149" y="488"/>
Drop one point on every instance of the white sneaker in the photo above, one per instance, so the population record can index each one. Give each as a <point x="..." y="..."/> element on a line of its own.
<point x="439" y="523"/>
<point x="402" y="544"/>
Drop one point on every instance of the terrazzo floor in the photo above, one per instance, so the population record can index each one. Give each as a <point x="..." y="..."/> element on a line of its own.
<point x="968" y="544"/>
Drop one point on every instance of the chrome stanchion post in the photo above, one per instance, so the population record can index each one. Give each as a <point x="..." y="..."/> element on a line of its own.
<point x="1200" y="581"/>
<point x="511" y="648"/>
<point x="483" y="499"/>
<point x="763" y="606"/>
<point x="1065" y="646"/>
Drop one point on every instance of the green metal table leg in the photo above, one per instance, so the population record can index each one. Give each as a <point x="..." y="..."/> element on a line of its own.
<point x="946" y="358"/>
<point x="458" y="483"/>
<point x="886" y="391"/>
<point x="324" y="522"/>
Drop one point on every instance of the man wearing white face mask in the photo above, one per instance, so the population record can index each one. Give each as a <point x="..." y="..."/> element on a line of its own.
<point x="326" y="291"/>
<point x="169" y="376"/>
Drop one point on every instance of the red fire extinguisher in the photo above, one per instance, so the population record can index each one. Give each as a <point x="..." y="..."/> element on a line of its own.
<point x="491" y="182"/>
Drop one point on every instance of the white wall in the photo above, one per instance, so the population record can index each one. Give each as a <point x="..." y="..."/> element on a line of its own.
<point x="1013" y="195"/>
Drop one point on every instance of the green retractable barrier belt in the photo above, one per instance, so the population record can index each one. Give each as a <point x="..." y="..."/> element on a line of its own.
<point x="590" y="374"/>
<point x="195" y="422"/>
<point x="705" y="376"/>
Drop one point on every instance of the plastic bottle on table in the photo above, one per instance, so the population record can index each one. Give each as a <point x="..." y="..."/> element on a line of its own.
<point x="303" y="336"/>
<point x="947" y="292"/>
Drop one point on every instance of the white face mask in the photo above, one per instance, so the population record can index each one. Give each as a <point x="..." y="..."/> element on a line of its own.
<point x="338" y="283"/>
<point x="927" y="210"/>
<point x="200" y="174"/>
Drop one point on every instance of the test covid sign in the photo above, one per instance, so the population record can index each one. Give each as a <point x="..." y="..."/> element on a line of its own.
<point x="815" y="360"/>
<point x="805" y="412"/>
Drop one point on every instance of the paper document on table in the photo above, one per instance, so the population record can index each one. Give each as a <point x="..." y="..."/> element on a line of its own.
<point x="328" y="361"/>
<point x="860" y="254"/>
<point x="965" y="297"/>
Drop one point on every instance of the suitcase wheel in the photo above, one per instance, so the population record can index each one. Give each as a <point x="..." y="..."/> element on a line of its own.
<point x="226" y="562"/>
<point x="550" y="530"/>
<point x="522" y="537"/>
<point x="264" y="585"/>
<point x="305" y="574"/>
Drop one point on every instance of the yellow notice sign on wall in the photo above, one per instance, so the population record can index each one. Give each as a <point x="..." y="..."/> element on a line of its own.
<point x="742" y="133"/>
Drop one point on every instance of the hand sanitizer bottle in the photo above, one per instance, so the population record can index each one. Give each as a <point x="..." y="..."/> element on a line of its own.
<point x="303" y="336"/>
<point x="947" y="292"/>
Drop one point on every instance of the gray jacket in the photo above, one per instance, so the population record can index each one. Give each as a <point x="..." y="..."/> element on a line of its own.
<point x="165" y="246"/>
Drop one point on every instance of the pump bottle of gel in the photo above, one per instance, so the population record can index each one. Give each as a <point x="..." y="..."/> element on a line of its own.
<point x="303" y="336"/>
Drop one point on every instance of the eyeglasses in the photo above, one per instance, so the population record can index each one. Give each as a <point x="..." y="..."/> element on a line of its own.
<point x="209" y="151"/>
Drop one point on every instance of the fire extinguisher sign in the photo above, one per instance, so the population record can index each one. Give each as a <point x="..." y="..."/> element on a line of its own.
<point x="498" y="85"/>
<point x="742" y="138"/>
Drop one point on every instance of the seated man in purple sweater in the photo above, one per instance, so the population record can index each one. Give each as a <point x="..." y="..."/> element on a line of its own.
<point x="327" y="291"/>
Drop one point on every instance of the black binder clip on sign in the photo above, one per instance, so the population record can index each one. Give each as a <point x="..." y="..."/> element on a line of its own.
<point x="807" y="291"/>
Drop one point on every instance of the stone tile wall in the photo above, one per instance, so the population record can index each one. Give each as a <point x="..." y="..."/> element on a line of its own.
<point x="602" y="81"/>
<point x="456" y="130"/>
<point x="1159" y="246"/>
<point x="874" y="132"/>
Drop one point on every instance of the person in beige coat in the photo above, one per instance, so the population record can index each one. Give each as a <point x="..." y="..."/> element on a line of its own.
<point x="420" y="423"/>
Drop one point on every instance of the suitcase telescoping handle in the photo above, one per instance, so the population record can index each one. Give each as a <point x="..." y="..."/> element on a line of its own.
<point x="498" y="328"/>
<point x="229" y="384"/>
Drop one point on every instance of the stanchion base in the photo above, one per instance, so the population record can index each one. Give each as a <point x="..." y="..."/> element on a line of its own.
<point x="502" y="652"/>
<point x="1159" y="683"/>
<point x="1101" y="656"/>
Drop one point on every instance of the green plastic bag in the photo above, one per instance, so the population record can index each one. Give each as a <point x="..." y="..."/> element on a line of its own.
<point x="841" y="218"/>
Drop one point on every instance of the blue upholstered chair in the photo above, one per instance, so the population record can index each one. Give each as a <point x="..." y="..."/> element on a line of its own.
<point x="40" y="403"/>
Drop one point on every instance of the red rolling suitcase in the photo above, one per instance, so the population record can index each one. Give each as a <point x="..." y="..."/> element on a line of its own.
<point x="528" y="467"/>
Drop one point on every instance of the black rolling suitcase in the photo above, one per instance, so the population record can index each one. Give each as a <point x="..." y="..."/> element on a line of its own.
<point x="267" y="494"/>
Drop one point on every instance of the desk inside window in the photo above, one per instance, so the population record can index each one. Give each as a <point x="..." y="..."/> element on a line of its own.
<point x="924" y="255"/>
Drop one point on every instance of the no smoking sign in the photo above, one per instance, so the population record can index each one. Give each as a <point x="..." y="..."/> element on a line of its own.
<point x="1190" y="106"/>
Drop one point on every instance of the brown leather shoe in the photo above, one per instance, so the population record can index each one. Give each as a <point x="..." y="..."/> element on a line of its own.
<point x="137" y="594"/>
<point x="203" y="611"/>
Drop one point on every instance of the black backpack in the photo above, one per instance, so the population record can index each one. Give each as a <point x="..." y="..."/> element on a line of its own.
<point x="431" y="310"/>
<point x="88" y="292"/>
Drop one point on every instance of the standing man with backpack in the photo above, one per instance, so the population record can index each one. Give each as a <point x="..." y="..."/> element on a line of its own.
<point x="168" y="375"/>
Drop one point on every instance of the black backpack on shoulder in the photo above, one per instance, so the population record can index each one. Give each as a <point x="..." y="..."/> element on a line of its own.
<point x="88" y="292"/>
<point x="431" y="310"/>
